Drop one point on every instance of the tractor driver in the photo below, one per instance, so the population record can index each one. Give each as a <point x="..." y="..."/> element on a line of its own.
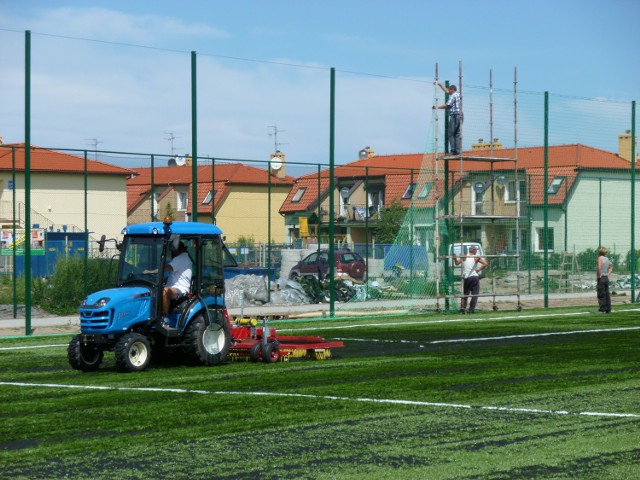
<point x="179" y="281"/>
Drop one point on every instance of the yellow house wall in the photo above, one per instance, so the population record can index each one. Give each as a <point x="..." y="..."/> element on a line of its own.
<point x="60" y="198"/>
<point x="142" y="212"/>
<point x="244" y="213"/>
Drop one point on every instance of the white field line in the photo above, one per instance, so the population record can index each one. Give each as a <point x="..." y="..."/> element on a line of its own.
<point x="326" y="397"/>
<point x="488" y="339"/>
<point x="30" y="347"/>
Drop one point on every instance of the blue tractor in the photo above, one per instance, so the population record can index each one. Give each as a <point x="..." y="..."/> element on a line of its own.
<point x="128" y="319"/>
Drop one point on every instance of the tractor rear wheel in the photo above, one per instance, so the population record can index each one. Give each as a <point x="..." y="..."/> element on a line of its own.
<point x="83" y="357"/>
<point x="208" y="345"/>
<point x="133" y="353"/>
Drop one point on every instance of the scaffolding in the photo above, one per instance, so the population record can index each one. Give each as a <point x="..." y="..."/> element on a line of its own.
<point x="454" y="174"/>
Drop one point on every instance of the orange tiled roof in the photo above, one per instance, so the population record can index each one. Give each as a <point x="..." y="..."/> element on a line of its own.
<point x="224" y="175"/>
<point x="309" y="198"/>
<point x="235" y="173"/>
<point x="53" y="161"/>
<point x="396" y="170"/>
<point x="536" y="185"/>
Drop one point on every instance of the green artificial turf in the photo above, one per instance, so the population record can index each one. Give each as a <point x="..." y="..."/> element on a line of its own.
<point x="542" y="394"/>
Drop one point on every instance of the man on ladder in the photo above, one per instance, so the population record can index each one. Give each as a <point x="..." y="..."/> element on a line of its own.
<point x="455" y="118"/>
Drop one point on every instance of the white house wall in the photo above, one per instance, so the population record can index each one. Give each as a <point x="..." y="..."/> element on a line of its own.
<point x="59" y="198"/>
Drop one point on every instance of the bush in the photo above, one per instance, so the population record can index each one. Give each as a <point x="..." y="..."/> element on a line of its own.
<point x="64" y="291"/>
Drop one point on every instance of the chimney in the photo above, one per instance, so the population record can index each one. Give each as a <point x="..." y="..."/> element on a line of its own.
<point x="624" y="146"/>
<point x="277" y="164"/>
<point x="482" y="145"/>
<point x="366" y="152"/>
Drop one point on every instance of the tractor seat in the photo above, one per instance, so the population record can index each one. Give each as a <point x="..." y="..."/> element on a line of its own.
<point x="175" y="304"/>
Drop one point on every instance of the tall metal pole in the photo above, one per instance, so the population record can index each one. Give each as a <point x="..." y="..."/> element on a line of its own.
<point x="600" y="212"/>
<point x="213" y="191"/>
<point x="15" y="274"/>
<point x="194" y="140"/>
<point x="366" y="223"/>
<point x="27" y="182"/>
<point x="86" y="225"/>
<point x="633" y="201"/>
<point x="319" y="212"/>
<point x="154" y="214"/>
<point x="268" y="230"/>
<point x="332" y="117"/>
<point x="545" y="230"/>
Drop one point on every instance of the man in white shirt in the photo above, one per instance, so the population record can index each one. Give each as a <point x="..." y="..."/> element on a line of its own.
<point x="472" y="265"/>
<point x="179" y="281"/>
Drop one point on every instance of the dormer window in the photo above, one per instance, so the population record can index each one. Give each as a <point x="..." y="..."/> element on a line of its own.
<point x="298" y="196"/>
<point x="426" y="189"/>
<point x="556" y="183"/>
<point x="207" y="200"/>
<point x="408" y="193"/>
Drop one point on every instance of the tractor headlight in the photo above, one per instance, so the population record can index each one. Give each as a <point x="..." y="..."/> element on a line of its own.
<point x="102" y="302"/>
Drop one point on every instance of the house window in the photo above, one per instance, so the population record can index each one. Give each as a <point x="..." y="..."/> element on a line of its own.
<point x="207" y="200"/>
<point x="524" y="240"/>
<point x="426" y="189"/>
<point x="555" y="185"/>
<point x="154" y="206"/>
<point x="376" y="198"/>
<point x="408" y="193"/>
<point x="183" y="200"/>
<point x="541" y="245"/>
<point x="296" y="198"/>
<point x="511" y="194"/>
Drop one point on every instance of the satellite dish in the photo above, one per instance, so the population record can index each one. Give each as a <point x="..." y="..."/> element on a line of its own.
<point x="344" y="193"/>
<point x="172" y="162"/>
<point x="276" y="164"/>
<point x="180" y="161"/>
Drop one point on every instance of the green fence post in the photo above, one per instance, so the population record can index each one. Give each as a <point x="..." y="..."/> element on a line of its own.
<point x="332" y="116"/>
<point x="545" y="230"/>
<point x="13" y="253"/>
<point x="194" y="140"/>
<point x="633" y="201"/>
<point x="27" y="182"/>
<point x="86" y="226"/>
<point x="154" y="214"/>
<point x="269" y="231"/>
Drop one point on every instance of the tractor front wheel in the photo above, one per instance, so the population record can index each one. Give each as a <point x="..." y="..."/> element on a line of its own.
<point x="209" y="345"/>
<point x="133" y="353"/>
<point x="83" y="357"/>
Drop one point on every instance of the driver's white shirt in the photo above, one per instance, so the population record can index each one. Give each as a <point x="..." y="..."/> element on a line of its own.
<point x="180" y="275"/>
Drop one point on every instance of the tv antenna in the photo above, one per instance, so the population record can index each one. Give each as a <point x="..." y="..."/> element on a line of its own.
<point x="95" y="142"/>
<point x="171" y="138"/>
<point x="276" y="144"/>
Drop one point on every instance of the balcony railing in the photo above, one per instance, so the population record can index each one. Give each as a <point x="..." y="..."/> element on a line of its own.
<point x="353" y="213"/>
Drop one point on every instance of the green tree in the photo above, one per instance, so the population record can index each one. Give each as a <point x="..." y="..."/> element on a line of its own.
<point x="391" y="219"/>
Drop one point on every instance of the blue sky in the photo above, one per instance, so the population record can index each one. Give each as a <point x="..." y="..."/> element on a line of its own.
<point x="263" y="63"/>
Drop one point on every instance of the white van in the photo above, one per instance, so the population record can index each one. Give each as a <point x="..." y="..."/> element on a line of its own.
<point x="458" y="250"/>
